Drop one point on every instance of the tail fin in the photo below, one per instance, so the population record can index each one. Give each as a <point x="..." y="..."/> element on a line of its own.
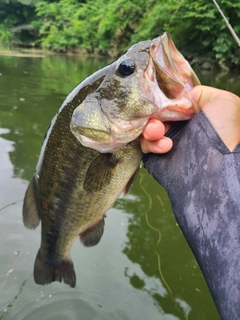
<point x="45" y="273"/>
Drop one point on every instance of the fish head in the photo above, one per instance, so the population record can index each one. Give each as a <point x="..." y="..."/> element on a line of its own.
<point x="151" y="80"/>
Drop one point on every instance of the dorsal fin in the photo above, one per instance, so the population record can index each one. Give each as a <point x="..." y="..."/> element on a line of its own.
<point x="31" y="216"/>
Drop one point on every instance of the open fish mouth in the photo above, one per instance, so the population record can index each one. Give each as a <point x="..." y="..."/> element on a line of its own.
<point x="173" y="78"/>
<point x="174" y="73"/>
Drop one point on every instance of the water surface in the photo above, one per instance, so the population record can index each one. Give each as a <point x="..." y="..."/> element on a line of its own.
<point x="141" y="269"/>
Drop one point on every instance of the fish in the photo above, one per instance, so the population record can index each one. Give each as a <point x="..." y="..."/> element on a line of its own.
<point x="91" y="152"/>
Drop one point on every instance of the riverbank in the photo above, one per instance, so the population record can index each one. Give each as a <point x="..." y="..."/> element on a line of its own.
<point x="196" y="61"/>
<point x="14" y="51"/>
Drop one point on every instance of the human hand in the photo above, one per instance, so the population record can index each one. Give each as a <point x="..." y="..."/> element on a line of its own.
<point x="153" y="139"/>
<point x="221" y="107"/>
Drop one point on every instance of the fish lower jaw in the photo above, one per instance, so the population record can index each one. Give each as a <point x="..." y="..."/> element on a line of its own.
<point x="110" y="146"/>
<point x="175" y="113"/>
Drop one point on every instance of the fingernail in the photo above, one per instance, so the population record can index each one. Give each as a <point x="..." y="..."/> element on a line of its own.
<point x="162" y="143"/>
<point x="149" y="128"/>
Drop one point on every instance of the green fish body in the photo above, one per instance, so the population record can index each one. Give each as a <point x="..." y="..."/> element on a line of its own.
<point x="91" y="152"/>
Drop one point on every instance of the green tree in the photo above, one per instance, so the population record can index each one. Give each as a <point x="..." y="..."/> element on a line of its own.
<point x="111" y="26"/>
<point x="56" y="28"/>
<point x="106" y="26"/>
<point x="16" y="17"/>
<point x="207" y="31"/>
<point x="197" y="27"/>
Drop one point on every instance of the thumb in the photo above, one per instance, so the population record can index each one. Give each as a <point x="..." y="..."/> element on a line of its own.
<point x="204" y="94"/>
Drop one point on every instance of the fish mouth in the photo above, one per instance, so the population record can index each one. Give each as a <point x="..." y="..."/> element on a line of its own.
<point x="174" y="73"/>
<point x="100" y="146"/>
<point x="173" y="78"/>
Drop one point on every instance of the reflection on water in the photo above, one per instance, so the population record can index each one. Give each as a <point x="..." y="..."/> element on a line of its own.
<point x="171" y="275"/>
<point x="142" y="268"/>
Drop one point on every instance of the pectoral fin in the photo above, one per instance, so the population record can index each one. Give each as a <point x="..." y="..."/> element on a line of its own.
<point x="31" y="216"/>
<point x="92" y="235"/>
<point x="100" y="172"/>
<point x="130" y="182"/>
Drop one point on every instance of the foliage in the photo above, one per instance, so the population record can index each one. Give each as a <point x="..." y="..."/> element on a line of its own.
<point x="196" y="27"/>
<point x="111" y="26"/>
<point x="106" y="26"/>
<point x="210" y="33"/>
<point x="55" y="25"/>
<point x="15" y="18"/>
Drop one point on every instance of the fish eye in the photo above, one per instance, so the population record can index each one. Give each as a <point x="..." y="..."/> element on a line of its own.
<point x="126" y="67"/>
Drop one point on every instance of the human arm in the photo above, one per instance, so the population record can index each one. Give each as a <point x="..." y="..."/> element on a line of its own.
<point x="201" y="174"/>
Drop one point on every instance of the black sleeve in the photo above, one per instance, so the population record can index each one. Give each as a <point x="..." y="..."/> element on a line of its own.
<point x="201" y="177"/>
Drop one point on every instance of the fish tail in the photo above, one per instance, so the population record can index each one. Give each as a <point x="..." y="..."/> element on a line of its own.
<point x="45" y="273"/>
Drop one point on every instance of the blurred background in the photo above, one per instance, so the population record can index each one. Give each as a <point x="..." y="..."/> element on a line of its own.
<point x="109" y="27"/>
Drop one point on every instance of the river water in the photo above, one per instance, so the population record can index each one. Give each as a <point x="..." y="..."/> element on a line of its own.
<point x="141" y="269"/>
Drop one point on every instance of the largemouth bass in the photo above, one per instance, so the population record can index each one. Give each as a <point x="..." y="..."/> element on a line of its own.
<point x="75" y="183"/>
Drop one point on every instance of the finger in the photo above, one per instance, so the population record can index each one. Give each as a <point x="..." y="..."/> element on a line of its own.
<point x="162" y="145"/>
<point x="154" y="130"/>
